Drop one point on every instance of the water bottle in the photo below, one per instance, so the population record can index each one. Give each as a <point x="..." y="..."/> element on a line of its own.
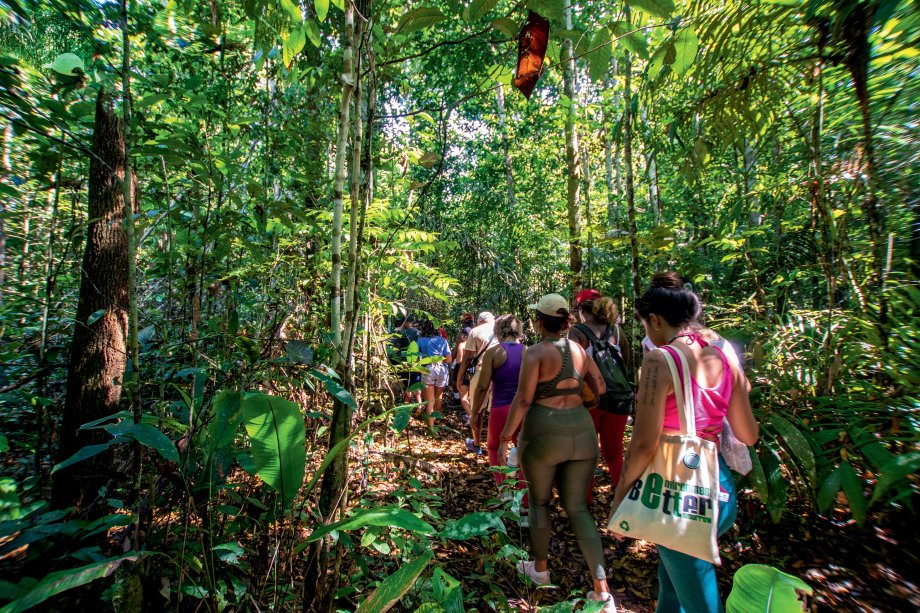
<point x="513" y="463"/>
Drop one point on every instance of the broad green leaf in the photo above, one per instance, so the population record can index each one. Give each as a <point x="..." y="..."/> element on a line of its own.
<point x="322" y="9"/>
<point x="61" y="581"/>
<point x="229" y="552"/>
<point x="870" y="447"/>
<point x="67" y="64"/>
<point x="776" y="484"/>
<point x="478" y="8"/>
<point x="84" y="453"/>
<point x="758" y="478"/>
<point x="94" y="317"/>
<point x="854" y="490"/>
<point x="685" y="48"/>
<point x="895" y="471"/>
<point x="395" y="586"/>
<point x="472" y="525"/>
<point x="293" y="43"/>
<point x="554" y="10"/>
<point x="448" y="591"/>
<point x="758" y="587"/>
<point x="335" y="388"/>
<point x="146" y="435"/>
<point x="312" y="31"/>
<point x="152" y="100"/>
<point x="627" y="36"/>
<point x="659" y="59"/>
<point x="293" y="10"/>
<point x="276" y="432"/>
<point x="796" y="443"/>
<point x="4" y="444"/>
<point x="228" y="416"/>
<point x="419" y="19"/>
<point x="656" y="8"/>
<point x="393" y="517"/>
<point x="506" y="26"/>
<point x="599" y="58"/>
<point x="828" y="492"/>
<point x="339" y="4"/>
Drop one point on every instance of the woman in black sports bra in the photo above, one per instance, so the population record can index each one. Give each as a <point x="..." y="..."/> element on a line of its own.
<point x="557" y="441"/>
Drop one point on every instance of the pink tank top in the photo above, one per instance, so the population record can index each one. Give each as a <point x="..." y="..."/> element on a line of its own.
<point x="709" y="403"/>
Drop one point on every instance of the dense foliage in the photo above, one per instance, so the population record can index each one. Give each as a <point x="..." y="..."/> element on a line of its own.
<point x="306" y="170"/>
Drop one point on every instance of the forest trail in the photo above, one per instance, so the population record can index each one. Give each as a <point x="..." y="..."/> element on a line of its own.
<point x="850" y="568"/>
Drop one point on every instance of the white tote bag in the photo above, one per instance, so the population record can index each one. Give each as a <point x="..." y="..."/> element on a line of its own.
<point x="675" y="503"/>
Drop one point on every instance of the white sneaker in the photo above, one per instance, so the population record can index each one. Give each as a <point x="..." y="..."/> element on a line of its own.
<point x="538" y="577"/>
<point x="605" y="597"/>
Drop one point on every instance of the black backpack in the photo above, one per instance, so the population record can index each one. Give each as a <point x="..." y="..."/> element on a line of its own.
<point x="620" y="396"/>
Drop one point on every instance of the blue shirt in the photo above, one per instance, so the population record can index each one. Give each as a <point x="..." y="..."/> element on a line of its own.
<point x="433" y="345"/>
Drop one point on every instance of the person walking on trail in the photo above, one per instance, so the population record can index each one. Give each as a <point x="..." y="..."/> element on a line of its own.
<point x="431" y="345"/>
<point x="459" y="379"/>
<point x="406" y="334"/>
<point x="669" y="311"/>
<point x="599" y="327"/>
<point x="557" y="441"/>
<point x="501" y="368"/>
<point x="481" y="338"/>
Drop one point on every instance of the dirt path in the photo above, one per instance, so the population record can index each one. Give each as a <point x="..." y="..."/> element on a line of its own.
<point x="851" y="568"/>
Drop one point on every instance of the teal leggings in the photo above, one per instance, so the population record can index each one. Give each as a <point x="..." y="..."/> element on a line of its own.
<point x="561" y="445"/>
<point x="689" y="584"/>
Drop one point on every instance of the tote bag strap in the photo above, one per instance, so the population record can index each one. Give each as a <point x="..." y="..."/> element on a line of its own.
<point x="683" y="393"/>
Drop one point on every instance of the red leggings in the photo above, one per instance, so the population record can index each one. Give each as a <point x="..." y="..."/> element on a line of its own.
<point x="610" y="428"/>
<point x="497" y="418"/>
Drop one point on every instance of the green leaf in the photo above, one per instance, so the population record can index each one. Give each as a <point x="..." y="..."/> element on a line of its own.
<point x="853" y="489"/>
<point x="67" y="64"/>
<point x="506" y="26"/>
<point x="659" y="59"/>
<point x="894" y="472"/>
<point x="685" y="47"/>
<point x="83" y="454"/>
<point x="276" y="432"/>
<point x="335" y="388"/>
<point x="339" y="4"/>
<point x="448" y="591"/>
<point x="292" y="10"/>
<point x="796" y="443"/>
<point x="758" y="587"/>
<point x="776" y="484"/>
<point x="94" y="317"/>
<point x="312" y="30"/>
<point x="4" y="444"/>
<point x="627" y="37"/>
<point x="419" y="19"/>
<point x="229" y="552"/>
<point x="472" y="525"/>
<point x="292" y="43"/>
<point x="758" y="478"/>
<point x="599" y="57"/>
<point x="146" y="435"/>
<point x="63" y="580"/>
<point x="656" y="8"/>
<point x="554" y="10"/>
<point x="228" y="416"/>
<point x="395" y="586"/>
<point x="322" y="9"/>
<point x="828" y="492"/>
<point x="478" y="8"/>
<point x="390" y="516"/>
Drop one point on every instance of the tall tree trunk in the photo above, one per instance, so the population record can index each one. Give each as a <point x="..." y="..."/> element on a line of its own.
<point x="612" y="154"/>
<point x="334" y="479"/>
<point x="506" y="145"/>
<point x="99" y="348"/>
<point x="589" y="184"/>
<point x="630" y="185"/>
<point x="572" y="162"/>
<point x="7" y="167"/>
<point x="651" y="168"/>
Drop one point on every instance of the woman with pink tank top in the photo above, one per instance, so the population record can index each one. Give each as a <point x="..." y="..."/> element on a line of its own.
<point x="669" y="311"/>
<point x="501" y="368"/>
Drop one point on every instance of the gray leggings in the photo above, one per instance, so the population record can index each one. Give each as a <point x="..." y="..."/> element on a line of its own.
<point x="561" y="445"/>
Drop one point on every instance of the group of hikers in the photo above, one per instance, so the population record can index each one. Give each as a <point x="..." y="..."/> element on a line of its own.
<point x="567" y="398"/>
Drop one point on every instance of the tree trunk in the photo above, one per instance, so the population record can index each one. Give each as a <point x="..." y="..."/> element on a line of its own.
<point x="651" y="167"/>
<point x="7" y="171"/>
<point x="630" y="185"/>
<point x="612" y="157"/>
<point x="506" y="145"/>
<point x="99" y="348"/>
<point x="573" y="165"/>
<point x="335" y="476"/>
